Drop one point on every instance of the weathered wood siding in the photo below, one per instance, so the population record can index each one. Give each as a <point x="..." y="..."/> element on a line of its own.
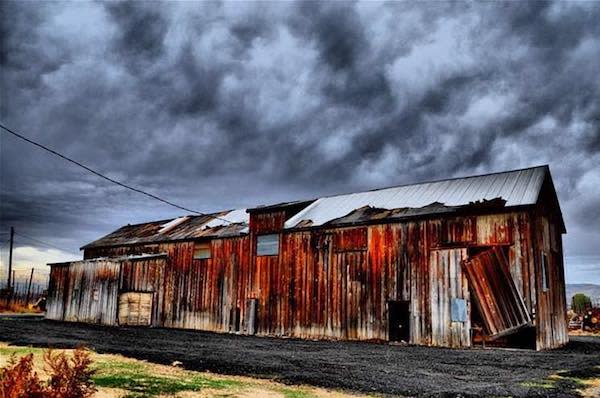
<point x="447" y="282"/>
<point x="146" y="276"/>
<point x="92" y="292"/>
<point x="551" y="320"/>
<point x="58" y="289"/>
<point x="335" y="283"/>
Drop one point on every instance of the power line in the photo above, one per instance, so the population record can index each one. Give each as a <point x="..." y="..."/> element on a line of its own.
<point x="108" y="178"/>
<point x="45" y="243"/>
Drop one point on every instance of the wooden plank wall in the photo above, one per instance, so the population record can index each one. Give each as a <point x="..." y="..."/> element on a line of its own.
<point x="92" y="292"/>
<point x="551" y="322"/>
<point x="146" y="275"/>
<point x="447" y="282"/>
<point x="58" y="289"/>
<point x="315" y="289"/>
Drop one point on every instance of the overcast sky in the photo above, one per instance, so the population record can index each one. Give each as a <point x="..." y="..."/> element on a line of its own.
<point x="218" y="106"/>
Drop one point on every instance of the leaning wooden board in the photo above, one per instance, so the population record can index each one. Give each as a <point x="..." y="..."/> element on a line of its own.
<point x="501" y="305"/>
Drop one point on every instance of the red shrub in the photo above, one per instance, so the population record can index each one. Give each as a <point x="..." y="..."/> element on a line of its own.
<point x="68" y="378"/>
<point x="18" y="379"/>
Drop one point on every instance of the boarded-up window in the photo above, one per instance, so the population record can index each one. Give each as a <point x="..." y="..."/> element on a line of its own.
<point x="544" y="271"/>
<point x="267" y="245"/>
<point x="458" y="231"/>
<point x="354" y="239"/>
<point x="135" y="309"/>
<point x="201" y="251"/>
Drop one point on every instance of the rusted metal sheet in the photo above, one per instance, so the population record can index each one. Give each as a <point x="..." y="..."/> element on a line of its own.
<point x="500" y="303"/>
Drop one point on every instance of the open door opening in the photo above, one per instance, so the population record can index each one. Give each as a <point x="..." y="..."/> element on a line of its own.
<point x="399" y="321"/>
<point x="500" y="310"/>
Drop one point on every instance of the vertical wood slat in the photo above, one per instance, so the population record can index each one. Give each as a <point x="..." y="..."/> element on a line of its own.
<point x="501" y="304"/>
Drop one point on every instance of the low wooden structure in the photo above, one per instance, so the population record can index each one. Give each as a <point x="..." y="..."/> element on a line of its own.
<point x="444" y="263"/>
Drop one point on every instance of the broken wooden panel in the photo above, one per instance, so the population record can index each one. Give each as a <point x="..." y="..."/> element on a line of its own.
<point x="448" y="284"/>
<point x="501" y="305"/>
<point x="135" y="309"/>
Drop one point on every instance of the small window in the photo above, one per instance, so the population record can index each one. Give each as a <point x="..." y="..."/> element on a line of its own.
<point x="267" y="245"/>
<point x="201" y="251"/>
<point x="544" y="271"/>
<point x="95" y="295"/>
<point x="458" y="310"/>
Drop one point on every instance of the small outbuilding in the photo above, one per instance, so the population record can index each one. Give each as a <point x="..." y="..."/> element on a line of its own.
<point x="447" y="263"/>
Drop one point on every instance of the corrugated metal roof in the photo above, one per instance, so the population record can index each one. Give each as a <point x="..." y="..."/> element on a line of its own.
<point x="228" y="223"/>
<point x="510" y="188"/>
<point x="517" y="187"/>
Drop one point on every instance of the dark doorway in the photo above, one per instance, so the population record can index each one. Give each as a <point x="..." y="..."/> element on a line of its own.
<point x="399" y="320"/>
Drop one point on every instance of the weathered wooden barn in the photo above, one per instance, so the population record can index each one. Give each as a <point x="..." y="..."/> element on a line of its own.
<point x="445" y="263"/>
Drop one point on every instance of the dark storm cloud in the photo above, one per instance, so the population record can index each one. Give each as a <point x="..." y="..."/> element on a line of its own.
<point x="219" y="105"/>
<point x="141" y="31"/>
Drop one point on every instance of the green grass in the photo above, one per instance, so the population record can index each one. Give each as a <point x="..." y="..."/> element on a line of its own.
<point x="140" y="381"/>
<point x="295" y="393"/>
<point x="19" y="351"/>
<point x="566" y="380"/>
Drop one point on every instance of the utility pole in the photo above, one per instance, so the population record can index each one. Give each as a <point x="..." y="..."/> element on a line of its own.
<point x="29" y="288"/>
<point x="10" y="273"/>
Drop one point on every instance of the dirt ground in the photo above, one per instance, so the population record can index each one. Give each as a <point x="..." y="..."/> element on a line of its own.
<point x="360" y="367"/>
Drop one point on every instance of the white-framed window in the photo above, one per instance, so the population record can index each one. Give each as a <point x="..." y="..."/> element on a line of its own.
<point x="267" y="245"/>
<point x="201" y="251"/>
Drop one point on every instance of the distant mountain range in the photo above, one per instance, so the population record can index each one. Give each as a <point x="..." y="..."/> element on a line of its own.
<point x="589" y="289"/>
